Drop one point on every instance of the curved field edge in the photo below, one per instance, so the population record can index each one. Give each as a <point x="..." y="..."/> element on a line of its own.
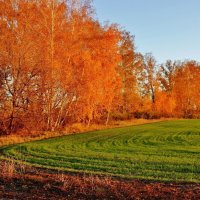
<point x="164" y="151"/>
<point x="18" y="138"/>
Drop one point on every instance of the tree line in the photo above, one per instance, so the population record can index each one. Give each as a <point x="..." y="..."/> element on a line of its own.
<point x="59" y="65"/>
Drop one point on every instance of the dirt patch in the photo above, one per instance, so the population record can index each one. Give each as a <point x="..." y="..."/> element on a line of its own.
<point x="44" y="184"/>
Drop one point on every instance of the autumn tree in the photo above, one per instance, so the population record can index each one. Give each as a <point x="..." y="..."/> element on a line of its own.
<point x="186" y="89"/>
<point x="127" y="70"/>
<point x="165" y="101"/>
<point x="147" y="81"/>
<point x="18" y="58"/>
<point x="97" y="58"/>
<point x="166" y="75"/>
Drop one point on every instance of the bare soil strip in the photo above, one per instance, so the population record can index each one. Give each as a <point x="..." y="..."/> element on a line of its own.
<point x="44" y="184"/>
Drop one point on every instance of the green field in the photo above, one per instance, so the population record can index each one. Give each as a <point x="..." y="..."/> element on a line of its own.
<point x="167" y="150"/>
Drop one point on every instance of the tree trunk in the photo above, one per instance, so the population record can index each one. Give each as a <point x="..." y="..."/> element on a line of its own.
<point x="108" y="117"/>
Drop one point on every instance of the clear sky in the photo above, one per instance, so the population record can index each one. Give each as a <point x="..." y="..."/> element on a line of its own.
<point x="170" y="29"/>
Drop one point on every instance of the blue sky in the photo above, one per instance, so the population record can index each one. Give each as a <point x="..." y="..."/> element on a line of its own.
<point x="170" y="29"/>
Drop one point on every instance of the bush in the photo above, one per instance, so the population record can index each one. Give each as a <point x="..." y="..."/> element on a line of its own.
<point x="118" y="116"/>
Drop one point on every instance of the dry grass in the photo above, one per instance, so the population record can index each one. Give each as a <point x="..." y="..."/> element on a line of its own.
<point x="72" y="129"/>
<point x="8" y="169"/>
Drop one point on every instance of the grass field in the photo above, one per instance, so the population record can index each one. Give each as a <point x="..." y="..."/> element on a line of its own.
<point x="160" y="151"/>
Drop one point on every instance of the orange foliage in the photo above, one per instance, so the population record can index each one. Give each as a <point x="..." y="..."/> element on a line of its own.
<point x="59" y="65"/>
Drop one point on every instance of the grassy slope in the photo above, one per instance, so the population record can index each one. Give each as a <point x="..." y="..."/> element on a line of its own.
<point x="161" y="151"/>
